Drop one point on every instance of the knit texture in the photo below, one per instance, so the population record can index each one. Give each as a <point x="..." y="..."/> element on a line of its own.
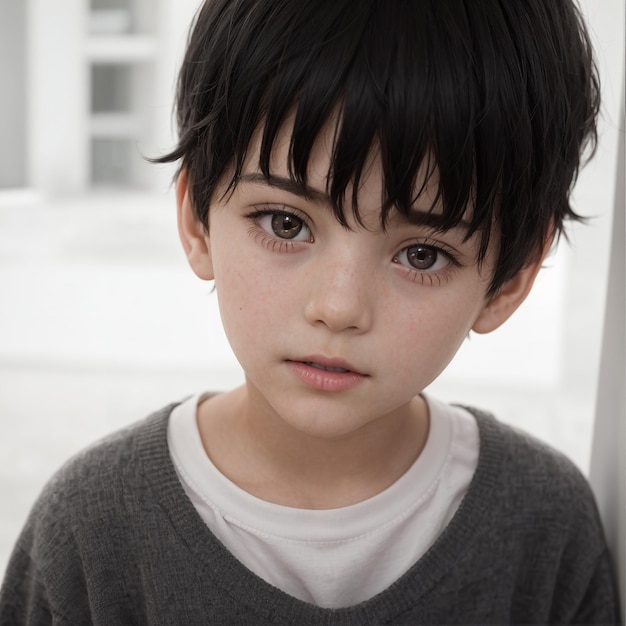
<point x="114" y="540"/>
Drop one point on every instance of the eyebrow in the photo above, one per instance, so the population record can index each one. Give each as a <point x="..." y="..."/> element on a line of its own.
<point x="428" y="218"/>
<point x="288" y="185"/>
<point x="415" y="217"/>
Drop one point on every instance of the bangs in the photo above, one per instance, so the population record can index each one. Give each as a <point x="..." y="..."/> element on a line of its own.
<point x="398" y="98"/>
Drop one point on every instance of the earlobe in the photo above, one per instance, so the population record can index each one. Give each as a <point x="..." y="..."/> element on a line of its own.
<point x="509" y="296"/>
<point x="192" y="233"/>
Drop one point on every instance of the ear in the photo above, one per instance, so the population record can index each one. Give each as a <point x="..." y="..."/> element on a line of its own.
<point x="510" y="295"/>
<point x="192" y="233"/>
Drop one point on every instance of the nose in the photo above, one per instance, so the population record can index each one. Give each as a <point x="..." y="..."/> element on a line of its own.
<point x="341" y="296"/>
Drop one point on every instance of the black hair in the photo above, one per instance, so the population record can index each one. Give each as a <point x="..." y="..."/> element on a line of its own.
<point x="498" y="98"/>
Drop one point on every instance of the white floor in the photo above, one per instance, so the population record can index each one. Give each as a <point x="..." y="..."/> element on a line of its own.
<point x="101" y="322"/>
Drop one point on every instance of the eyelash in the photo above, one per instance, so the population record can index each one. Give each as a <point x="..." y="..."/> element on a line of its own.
<point x="276" y="244"/>
<point x="429" y="277"/>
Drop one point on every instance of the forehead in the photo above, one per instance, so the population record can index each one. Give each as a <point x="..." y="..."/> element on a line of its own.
<point x="365" y="194"/>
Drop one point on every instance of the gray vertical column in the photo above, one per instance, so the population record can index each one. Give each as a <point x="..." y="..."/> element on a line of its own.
<point x="13" y="100"/>
<point x="608" y="468"/>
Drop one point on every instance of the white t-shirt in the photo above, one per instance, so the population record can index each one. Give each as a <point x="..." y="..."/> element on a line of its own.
<point x="338" y="557"/>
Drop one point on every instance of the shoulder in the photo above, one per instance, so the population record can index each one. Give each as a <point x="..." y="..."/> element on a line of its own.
<point x="532" y="520"/>
<point x="525" y="545"/>
<point x="85" y="524"/>
<point x="112" y="455"/>
<point x="527" y="463"/>
<point x="95" y="482"/>
<point x="80" y="523"/>
<point x="527" y="492"/>
<point x="528" y="484"/>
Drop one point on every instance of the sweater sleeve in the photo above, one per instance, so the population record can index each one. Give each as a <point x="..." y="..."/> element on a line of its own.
<point x="72" y="562"/>
<point x="23" y="598"/>
<point x="600" y="605"/>
<point x="45" y="581"/>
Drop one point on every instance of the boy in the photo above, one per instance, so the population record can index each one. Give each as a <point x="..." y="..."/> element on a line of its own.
<point x="365" y="182"/>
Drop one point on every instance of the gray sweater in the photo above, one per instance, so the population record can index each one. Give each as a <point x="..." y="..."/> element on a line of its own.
<point x="114" y="540"/>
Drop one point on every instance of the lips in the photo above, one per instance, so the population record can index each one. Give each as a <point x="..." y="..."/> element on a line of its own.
<point x="327" y="375"/>
<point x="319" y="366"/>
<point x="328" y="364"/>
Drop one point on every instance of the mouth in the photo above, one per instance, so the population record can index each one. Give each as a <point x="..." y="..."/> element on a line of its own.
<point x="324" y="364"/>
<point x="326" y="368"/>
<point x="326" y="375"/>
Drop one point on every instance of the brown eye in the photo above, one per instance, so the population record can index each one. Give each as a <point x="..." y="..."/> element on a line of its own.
<point x="286" y="226"/>
<point x="421" y="257"/>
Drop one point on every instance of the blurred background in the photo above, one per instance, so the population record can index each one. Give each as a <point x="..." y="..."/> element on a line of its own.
<point x="101" y="321"/>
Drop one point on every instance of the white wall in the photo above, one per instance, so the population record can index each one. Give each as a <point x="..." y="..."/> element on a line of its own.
<point x="57" y="95"/>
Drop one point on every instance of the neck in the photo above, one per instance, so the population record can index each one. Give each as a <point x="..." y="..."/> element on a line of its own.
<point x="275" y="462"/>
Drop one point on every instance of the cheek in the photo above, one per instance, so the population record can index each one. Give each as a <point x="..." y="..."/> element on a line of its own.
<point x="431" y="336"/>
<point x="254" y="302"/>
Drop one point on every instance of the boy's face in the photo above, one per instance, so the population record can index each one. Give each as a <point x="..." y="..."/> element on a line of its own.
<point x="335" y="328"/>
